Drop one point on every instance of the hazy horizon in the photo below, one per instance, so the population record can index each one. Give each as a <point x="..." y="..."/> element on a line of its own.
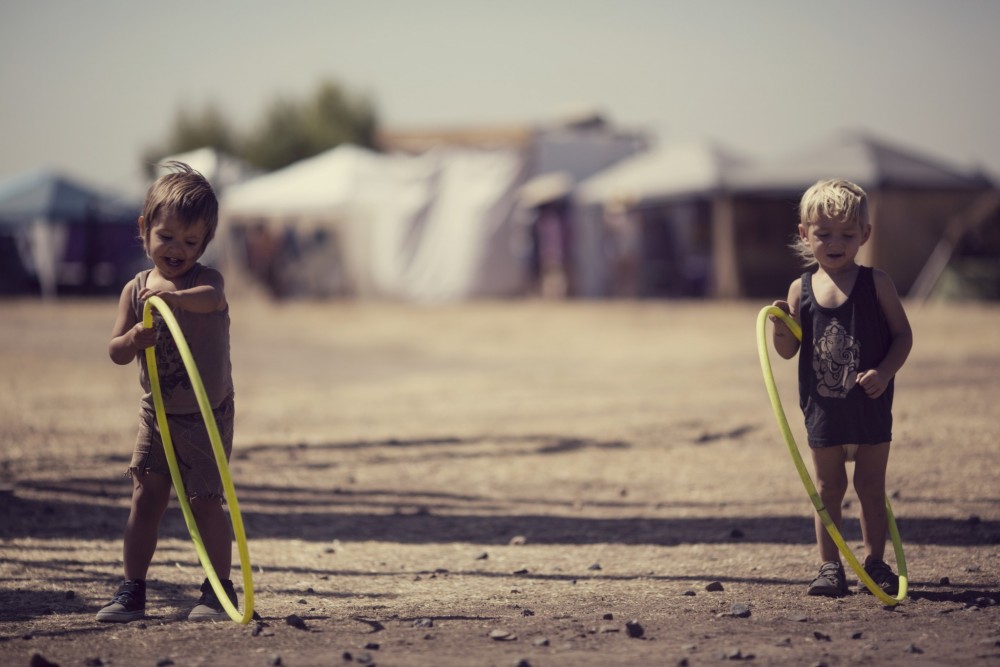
<point x="87" y="87"/>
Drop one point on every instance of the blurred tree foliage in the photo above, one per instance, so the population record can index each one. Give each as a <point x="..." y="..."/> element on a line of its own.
<point x="289" y="132"/>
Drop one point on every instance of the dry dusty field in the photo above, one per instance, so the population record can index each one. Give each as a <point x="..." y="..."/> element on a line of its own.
<point x="413" y="479"/>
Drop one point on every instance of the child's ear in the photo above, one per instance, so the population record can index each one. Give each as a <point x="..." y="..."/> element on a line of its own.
<point x="865" y="234"/>
<point x="142" y="226"/>
<point x="802" y="233"/>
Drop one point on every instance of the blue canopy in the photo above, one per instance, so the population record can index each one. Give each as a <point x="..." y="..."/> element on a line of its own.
<point x="45" y="194"/>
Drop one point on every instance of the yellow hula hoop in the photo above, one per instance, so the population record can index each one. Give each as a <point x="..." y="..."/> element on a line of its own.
<point x="831" y="528"/>
<point x="220" y="459"/>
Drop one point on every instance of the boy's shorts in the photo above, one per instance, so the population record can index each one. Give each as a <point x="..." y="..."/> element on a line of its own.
<point x="192" y="446"/>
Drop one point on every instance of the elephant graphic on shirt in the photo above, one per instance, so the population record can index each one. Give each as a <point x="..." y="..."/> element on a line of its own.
<point x="836" y="358"/>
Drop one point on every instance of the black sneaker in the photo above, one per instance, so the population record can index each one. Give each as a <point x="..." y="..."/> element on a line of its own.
<point x="882" y="575"/>
<point x="128" y="604"/>
<point x="209" y="608"/>
<point x="831" y="580"/>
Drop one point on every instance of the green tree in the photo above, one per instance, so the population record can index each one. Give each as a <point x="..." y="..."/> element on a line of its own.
<point x="290" y="131"/>
<point x="193" y="130"/>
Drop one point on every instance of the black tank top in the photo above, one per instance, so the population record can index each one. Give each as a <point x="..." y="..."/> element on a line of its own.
<point x="837" y="344"/>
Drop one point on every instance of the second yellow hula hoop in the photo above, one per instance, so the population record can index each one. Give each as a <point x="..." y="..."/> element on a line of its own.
<point x="220" y="459"/>
<point x="831" y="528"/>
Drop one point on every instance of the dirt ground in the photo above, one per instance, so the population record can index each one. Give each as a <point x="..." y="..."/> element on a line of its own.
<point x="497" y="484"/>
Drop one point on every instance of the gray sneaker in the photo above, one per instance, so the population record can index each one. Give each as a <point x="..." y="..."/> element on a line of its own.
<point x="209" y="608"/>
<point x="128" y="604"/>
<point x="831" y="580"/>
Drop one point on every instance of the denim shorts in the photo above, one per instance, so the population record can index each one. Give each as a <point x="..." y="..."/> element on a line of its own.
<point x="192" y="446"/>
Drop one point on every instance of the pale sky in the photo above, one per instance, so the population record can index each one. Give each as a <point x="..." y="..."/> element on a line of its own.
<point x="87" y="86"/>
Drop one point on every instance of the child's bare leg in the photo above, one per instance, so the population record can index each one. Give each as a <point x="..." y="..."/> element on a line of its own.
<point x="831" y="482"/>
<point x="150" y="495"/>
<point x="869" y="482"/>
<point x="213" y="524"/>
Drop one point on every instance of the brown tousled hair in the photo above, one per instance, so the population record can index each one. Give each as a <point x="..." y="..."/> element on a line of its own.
<point x="185" y="194"/>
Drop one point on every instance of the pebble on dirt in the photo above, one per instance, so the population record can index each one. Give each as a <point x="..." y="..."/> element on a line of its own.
<point x="499" y="635"/>
<point x="714" y="587"/>
<point x="295" y="622"/>
<point x="740" y="610"/>
<point x="376" y="626"/>
<point x="737" y="654"/>
<point x="634" y="629"/>
<point x="39" y="660"/>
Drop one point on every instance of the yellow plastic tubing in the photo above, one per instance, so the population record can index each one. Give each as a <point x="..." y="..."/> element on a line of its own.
<point x="831" y="528"/>
<point x="220" y="459"/>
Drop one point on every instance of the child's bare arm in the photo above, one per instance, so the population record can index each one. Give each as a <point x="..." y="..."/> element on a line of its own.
<point x="128" y="336"/>
<point x="874" y="381"/>
<point x="786" y="344"/>
<point x="207" y="296"/>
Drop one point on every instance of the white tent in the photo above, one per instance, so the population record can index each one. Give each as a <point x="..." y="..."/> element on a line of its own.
<point x="311" y="187"/>
<point x="221" y="169"/>
<point x="695" y="168"/>
<point x="607" y="230"/>
<point x="435" y="226"/>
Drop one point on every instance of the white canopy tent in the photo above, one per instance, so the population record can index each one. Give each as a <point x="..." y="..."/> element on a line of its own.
<point x="695" y="168"/>
<point x="435" y="226"/>
<point x="608" y="226"/>
<point x="221" y="169"/>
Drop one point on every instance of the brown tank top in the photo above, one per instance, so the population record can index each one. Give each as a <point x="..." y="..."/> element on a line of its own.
<point x="207" y="334"/>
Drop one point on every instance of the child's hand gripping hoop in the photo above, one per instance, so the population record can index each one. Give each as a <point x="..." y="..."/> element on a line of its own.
<point x="831" y="528"/>
<point x="220" y="460"/>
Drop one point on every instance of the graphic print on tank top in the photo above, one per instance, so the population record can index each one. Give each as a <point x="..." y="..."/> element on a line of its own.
<point x="836" y="358"/>
<point x="169" y="364"/>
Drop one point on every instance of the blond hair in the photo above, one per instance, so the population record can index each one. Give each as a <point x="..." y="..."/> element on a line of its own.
<point x="834" y="199"/>
<point x="185" y="194"/>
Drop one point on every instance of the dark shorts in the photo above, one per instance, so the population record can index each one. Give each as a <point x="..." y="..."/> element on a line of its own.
<point x="192" y="446"/>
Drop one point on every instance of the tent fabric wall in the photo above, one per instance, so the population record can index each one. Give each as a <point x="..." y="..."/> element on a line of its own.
<point x="912" y="197"/>
<point x="754" y="207"/>
<point x="664" y="183"/>
<point x="430" y="227"/>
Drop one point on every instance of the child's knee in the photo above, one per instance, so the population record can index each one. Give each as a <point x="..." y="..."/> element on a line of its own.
<point x="205" y="505"/>
<point x="150" y="495"/>
<point x="870" y="489"/>
<point x="834" y="486"/>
